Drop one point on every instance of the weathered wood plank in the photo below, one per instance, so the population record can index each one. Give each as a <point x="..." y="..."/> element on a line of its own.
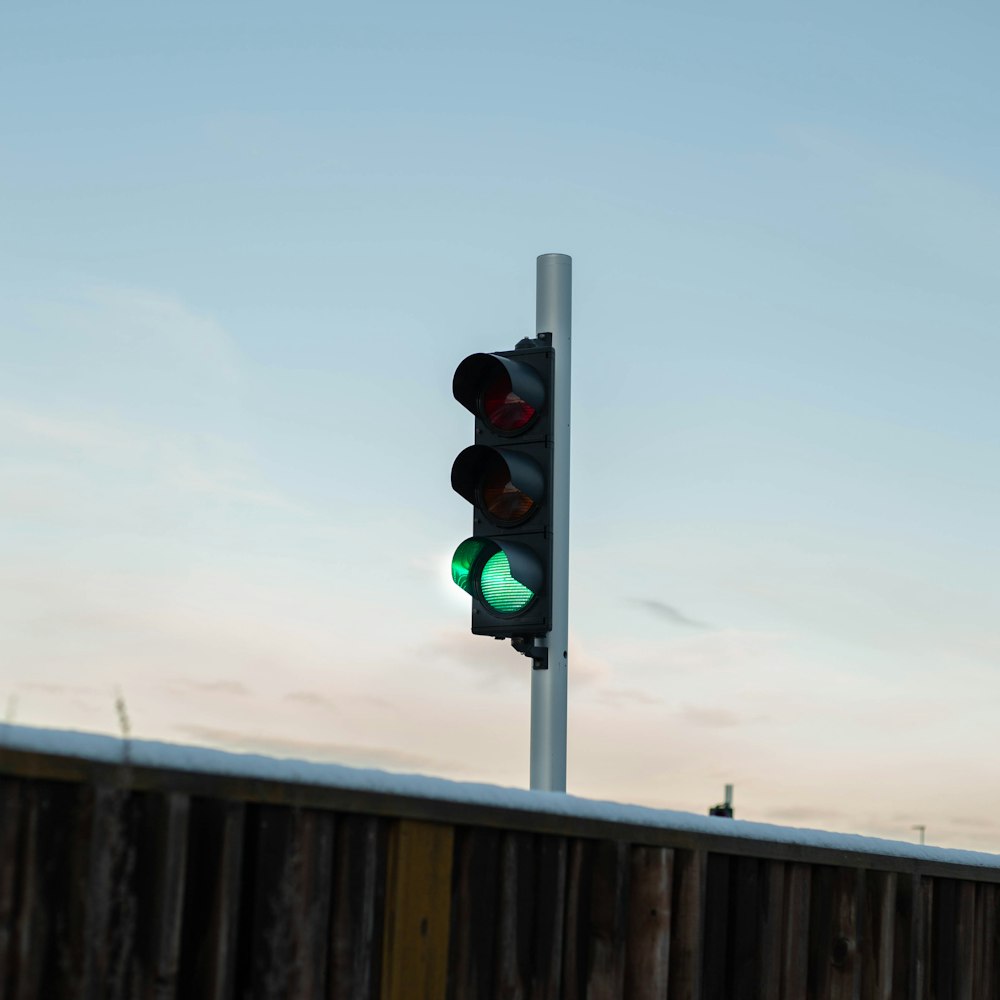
<point x="160" y="895"/>
<point x="965" y="942"/>
<point x="265" y="951"/>
<point x="772" y="929"/>
<point x="715" y="982"/>
<point x="903" y="939"/>
<point x="845" y="965"/>
<point x="359" y="902"/>
<point x="314" y="843"/>
<point x="284" y="935"/>
<point x="112" y="905"/>
<point x="743" y="958"/>
<point x="69" y="875"/>
<point x="922" y="937"/>
<point x="30" y="921"/>
<point x="213" y="900"/>
<point x="879" y="930"/>
<point x="688" y="922"/>
<point x="515" y="918"/>
<point x="821" y="932"/>
<point x="47" y="949"/>
<point x="579" y="877"/>
<point x="608" y="922"/>
<point x="986" y="941"/>
<point x="550" y="917"/>
<point x="596" y="898"/>
<point x="474" y="914"/>
<point x="835" y="968"/>
<point x="227" y="896"/>
<point x="10" y="837"/>
<point x="417" y="911"/>
<point x="798" y="906"/>
<point x="649" y="911"/>
<point x="943" y="949"/>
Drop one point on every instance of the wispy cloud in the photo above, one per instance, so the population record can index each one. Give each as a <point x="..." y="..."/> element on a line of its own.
<point x="628" y="697"/>
<point x="497" y="663"/>
<point x="67" y="461"/>
<point x="710" y="716"/>
<point x="668" y="613"/>
<point x="325" y="702"/>
<point x="78" y="432"/>
<point x="145" y="320"/>
<point x="142" y="401"/>
<point x="228" y="688"/>
<point x="494" y="663"/>
<point x="48" y="688"/>
<point x="976" y="823"/>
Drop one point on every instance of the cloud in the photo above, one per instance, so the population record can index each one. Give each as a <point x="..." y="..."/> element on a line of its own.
<point x="81" y="434"/>
<point x="667" y="612"/>
<point x="127" y="400"/>
<point x="232" y="689"/>
<point x="497" y="664"/>
<point x="69" y="471"/>
<point x="625" y="697"/>
<point x="716" y="718"/>
<point x="806" y="814"/>
<point x="492" y="662"/>
<point x="48" y="688"/>
<point x="330" y="703"/>
<point x="148" y="324"/>
<point x="976" y="822"/>
<point x="693" y="655"/>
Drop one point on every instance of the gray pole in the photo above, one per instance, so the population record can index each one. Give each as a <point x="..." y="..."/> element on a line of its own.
<point x="553" y="298"/>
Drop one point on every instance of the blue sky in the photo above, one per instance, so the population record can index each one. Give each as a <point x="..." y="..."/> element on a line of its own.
<point x="243" y="250"/>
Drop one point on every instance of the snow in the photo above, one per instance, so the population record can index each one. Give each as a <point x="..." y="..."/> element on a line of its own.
<point x="202" y="760"/>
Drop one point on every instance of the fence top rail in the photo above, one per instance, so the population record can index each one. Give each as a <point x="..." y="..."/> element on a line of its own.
<point x="59" y="755"/>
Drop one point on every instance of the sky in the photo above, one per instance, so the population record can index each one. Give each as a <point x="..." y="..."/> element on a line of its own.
<point x="244" y="247"/>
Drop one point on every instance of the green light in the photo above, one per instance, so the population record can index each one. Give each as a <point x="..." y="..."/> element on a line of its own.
<point x="500" y="590"/>
<point x="461" y="562"/>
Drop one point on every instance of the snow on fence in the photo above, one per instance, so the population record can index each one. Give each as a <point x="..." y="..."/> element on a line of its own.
<point x="142" y="870"/>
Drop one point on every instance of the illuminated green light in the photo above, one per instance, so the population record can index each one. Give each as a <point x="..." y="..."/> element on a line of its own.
<point x="500" y="590"/>
<point x="461" y="562"/>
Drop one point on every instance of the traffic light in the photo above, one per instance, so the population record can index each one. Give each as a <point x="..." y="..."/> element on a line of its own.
<point x="506" y="564"/>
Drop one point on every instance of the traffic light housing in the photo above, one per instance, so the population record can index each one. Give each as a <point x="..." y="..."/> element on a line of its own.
<point x="506" y="564"/>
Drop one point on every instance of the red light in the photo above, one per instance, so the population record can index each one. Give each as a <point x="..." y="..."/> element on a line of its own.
<point x="503" y="408"/>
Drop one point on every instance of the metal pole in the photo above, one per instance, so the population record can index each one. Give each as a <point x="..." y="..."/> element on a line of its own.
<point x="553" y="299"/>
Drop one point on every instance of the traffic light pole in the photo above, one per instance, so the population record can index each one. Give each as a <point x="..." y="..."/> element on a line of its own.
<point x="553" y="300"/>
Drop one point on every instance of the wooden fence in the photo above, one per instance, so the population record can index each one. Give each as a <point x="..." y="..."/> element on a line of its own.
<point x="145" y="882"/>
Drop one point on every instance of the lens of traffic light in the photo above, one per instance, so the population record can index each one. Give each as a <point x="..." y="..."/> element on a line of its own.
<point x="502" y="407"/>
<point x="502" y="500"/>
<point x="500" y="590"/>
<point x="463" y="560"/>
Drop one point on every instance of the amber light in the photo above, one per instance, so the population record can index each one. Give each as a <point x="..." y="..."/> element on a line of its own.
<point x="505" y="503"/>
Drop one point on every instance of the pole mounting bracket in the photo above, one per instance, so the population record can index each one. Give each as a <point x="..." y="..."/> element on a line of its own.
<point x="525" y="645"/>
